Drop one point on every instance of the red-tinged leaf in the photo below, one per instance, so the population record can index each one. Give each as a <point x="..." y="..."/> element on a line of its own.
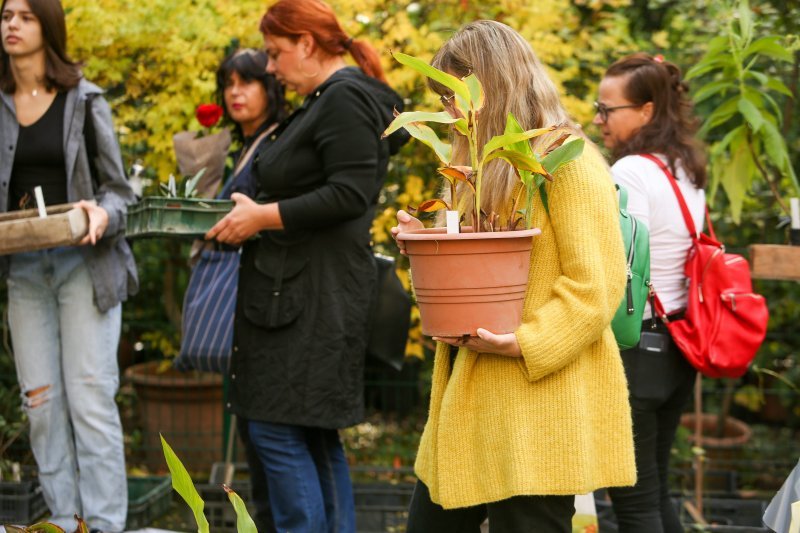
<point x="458" y="172"/>
<point x="429" y="206"/>
<point x="555" y="144"/>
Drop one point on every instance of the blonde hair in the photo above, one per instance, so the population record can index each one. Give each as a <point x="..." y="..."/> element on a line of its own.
<point x="514" y="81"/>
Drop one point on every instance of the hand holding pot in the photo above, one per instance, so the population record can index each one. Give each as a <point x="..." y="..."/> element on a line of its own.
<point x="405" y="222"/>
<point x="487" y="342"/>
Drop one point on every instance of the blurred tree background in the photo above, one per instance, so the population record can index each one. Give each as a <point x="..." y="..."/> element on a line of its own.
<point x="157" y="60"/>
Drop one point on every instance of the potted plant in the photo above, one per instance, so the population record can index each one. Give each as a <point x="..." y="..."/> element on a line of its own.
<point x="470" y="277"/>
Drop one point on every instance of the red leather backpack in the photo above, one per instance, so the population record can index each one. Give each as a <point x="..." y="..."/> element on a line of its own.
<point x="725" y="321"/>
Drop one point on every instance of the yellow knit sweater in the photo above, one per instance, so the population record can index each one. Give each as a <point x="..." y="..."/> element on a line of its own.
<point x="556" y="421"/>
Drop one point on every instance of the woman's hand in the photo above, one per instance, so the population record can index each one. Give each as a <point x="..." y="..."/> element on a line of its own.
<point x="244" y="221"/>
<point x="487" y="342"/>
<point x="98" y="221"/>
<point x="405" y="222"/>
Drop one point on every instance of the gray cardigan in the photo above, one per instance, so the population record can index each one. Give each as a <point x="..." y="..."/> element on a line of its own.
<point x="110" y="262"/>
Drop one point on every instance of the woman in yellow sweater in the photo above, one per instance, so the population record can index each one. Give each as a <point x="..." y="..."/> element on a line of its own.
<point x="521" y="422"/>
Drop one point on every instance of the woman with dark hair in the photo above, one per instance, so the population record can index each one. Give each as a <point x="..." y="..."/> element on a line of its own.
<point x="254" y="101"/>
<point x="305" y="285"/>
<point x="643" y="108"/>
<point x="64" y="304"/>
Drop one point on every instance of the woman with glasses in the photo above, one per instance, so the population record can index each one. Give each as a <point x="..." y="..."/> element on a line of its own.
<point x="64" y="303"/>
<point x="521" y="422"/>
<point x="643" y="108"/>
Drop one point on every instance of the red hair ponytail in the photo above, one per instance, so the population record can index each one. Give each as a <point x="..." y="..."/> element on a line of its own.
<point x="292" y="18"/>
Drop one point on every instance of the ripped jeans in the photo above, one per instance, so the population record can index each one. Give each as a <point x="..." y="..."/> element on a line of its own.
<point x="65" y="351"/>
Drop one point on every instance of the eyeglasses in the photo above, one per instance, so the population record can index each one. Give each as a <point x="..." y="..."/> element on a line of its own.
<point x="603" y="110"/>
<point x="447" y="100"/>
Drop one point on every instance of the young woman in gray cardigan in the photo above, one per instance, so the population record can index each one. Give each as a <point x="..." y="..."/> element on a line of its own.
<point x="64" y="304"/>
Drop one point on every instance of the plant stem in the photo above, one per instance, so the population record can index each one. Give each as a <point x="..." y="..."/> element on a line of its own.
<point x="473" y="155"/>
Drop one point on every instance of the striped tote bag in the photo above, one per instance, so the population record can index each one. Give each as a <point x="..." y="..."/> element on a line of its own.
<point x="208" y="310"/>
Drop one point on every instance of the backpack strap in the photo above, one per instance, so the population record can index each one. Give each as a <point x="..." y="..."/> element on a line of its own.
<point x="687" y="217"/>
<point x="623" y="197"/>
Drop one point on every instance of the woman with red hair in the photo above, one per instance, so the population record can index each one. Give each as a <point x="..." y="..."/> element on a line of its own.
<point x="305" y="285"/>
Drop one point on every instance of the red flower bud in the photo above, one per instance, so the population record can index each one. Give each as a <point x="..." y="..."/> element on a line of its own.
<point x="208" y="114"/>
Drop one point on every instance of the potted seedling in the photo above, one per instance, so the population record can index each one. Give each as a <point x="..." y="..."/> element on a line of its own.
<point x="471" y="277"/>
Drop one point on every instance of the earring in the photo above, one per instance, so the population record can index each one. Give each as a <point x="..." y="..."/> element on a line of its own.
<point x="306" y="74"/>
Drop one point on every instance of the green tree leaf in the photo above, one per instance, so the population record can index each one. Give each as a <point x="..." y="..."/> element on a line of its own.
<point x="778" y="86"/>
<point x="751" y="113"/>
<point x="770" y="47"/>
<point x="710" y="89"/>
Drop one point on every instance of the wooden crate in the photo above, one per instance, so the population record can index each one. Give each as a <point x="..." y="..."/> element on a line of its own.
<point x="775" y="261"/>
<point x="24" y="231"/>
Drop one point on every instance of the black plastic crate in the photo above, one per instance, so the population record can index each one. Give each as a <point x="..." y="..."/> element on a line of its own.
<point x="218" y="508"/>
<point x="21" y="502"/>
<point x="149" y="498"/>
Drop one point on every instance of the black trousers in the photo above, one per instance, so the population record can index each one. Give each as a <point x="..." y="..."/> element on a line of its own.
<point x="520" y="514"/>
<point x="660" y="383"/>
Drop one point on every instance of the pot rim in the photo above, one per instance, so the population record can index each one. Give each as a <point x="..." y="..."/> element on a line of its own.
<point x="438" y="234"/>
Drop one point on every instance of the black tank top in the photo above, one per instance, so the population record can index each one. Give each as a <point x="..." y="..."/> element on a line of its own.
<point x="39" y="160"/>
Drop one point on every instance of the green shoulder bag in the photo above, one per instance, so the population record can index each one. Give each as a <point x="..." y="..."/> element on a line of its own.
<point x="627" y="322"/>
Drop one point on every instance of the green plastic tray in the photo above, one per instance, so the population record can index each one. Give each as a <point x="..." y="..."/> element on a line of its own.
<point x="158" y="216"/>
<point x="149" y="498"/>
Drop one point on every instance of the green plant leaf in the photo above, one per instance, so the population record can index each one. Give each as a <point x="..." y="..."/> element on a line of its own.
<point x="410" y="117"/>
<point x="710" y="89"/>
<point x="736" y="179"/>
<point x="44" y="527"/>
<point x="737" y="132"/>
<point x="778" y="86"/>
<point x="720" y="115"/>
<point x="709" y="63"/>
<point x="462" y="127"/>
<point x="427" y="136"/>
<point x="501" y="141"/>
<point x="182" y="483"/>
<point x="15" y="529"/>
<point x="751" y="113"/>
<point x="191" y="184"/>
<point x="244" y="524"/>
<point x="448" y="80"/>
<point x="476" y="95"/>
<point x="569" y="151"/>
<point x="745" y="20"/>
<point x="770" y="47"/>
<point x="518" y="160"/>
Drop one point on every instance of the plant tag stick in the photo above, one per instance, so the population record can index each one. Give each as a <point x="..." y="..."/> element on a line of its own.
<point x="452" y="221"/>
<point x="795" y="208"/>
<point x="37" y="192"/>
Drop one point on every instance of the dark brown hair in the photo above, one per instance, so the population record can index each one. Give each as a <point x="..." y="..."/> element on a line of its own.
<point x="292" y="18"/>
<point x="673" y="125"/>
<point x="61" y="73"/>
<point x="251" y="65"/>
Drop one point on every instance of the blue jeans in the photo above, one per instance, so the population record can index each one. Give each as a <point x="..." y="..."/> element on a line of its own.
<point x="65" y="351"/>
<point x="308" y="477"/>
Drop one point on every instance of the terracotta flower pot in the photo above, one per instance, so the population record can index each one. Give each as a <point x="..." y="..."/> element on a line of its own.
<point x="184" y="407"/>
<point x="464" y="281"/>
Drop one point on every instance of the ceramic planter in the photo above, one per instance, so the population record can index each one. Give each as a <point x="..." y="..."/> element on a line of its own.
<point x="465" y="281"/>
<point x="186" y="408"/>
